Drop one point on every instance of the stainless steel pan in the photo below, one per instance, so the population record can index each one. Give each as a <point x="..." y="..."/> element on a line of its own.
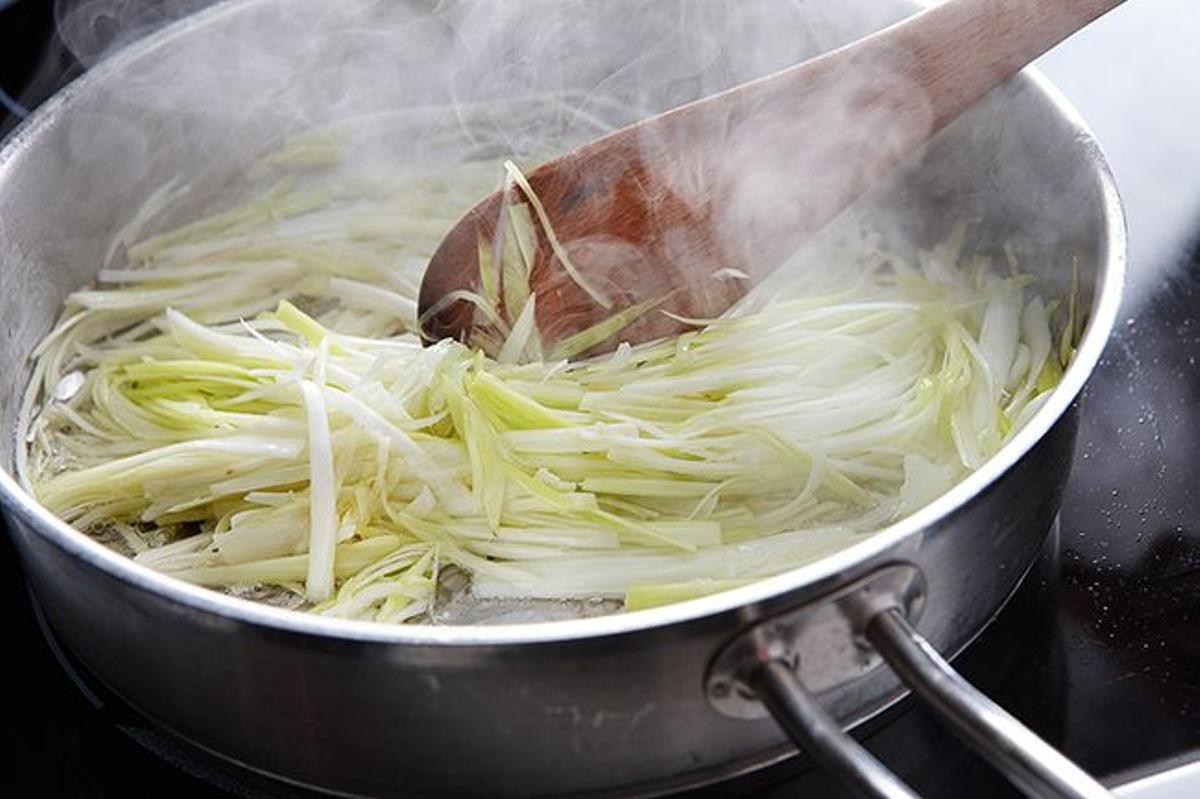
<point x="637" y="703"/>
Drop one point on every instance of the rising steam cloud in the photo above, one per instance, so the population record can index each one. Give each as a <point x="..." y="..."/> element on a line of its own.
<point x="428" y="83"/>
<point x="93" y="29"/>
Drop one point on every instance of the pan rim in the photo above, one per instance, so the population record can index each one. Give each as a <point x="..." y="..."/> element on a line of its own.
<point x="1105" y="304"/>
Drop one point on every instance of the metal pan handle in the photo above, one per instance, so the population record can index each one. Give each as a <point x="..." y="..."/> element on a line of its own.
<point x="820" y="737"/>
<point x="767" y="670"/>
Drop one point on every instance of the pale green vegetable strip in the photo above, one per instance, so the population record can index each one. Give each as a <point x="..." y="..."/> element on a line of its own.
<point x="651" y="596"/>
<point x="590" y="336"/>
<point x="322" y="523"/>
<point x="245" y="403"/>
<point x="1070" y="333"/>
<point x="488" y="309"/>
<point x="489" y="284"/>
<point x="548" y="230"/>
<point x="349" y="559"/>
<point x="519" y="250"/>
<point x="523" y="335"/>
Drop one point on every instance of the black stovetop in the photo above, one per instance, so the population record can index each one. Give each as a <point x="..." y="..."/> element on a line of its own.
<point x="1099" y="652"/>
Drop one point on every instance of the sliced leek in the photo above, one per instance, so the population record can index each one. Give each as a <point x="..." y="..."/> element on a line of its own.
<point x="244" y="402"/>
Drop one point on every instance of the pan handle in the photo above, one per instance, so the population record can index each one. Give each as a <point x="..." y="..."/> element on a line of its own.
<point x="1029" y="762"/>
<point x="770" y="673"/>
<point x="820" y="737"/>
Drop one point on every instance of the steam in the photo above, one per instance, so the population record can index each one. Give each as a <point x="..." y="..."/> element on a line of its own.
<point x="415" y="86"/>
<point x="93" y="29"/>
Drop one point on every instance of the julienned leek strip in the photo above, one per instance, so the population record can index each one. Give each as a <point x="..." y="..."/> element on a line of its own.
<point x="548" y="229"/>
<point x="322" y="524"/>
<point x="230" y="436"/>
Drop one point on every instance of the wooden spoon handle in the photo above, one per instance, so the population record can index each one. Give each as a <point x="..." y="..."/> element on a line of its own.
<point x="802" y="144"/>
<point x="959" y="50"/>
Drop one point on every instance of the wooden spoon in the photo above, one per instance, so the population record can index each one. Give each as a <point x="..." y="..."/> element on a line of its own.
<point x="694" y="205"/>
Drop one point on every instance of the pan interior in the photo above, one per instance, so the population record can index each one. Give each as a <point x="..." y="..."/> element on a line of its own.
<point x="418" y="88"/>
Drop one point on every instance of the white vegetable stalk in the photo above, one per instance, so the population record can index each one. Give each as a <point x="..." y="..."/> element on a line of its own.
<point x="560" y="252"/>
<point x="322" y="523"/>
<point x="245" y="403"/>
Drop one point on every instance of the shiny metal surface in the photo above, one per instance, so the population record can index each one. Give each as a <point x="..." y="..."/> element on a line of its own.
<point x="611" y="705"/>
<point x="819" y="736"/>
<point x="1031" y="763"/>
<point x="822" y="642"/>
<point x="779" y="665"/>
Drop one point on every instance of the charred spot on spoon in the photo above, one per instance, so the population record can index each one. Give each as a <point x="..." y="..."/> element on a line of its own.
<point x="580" y="191"/>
